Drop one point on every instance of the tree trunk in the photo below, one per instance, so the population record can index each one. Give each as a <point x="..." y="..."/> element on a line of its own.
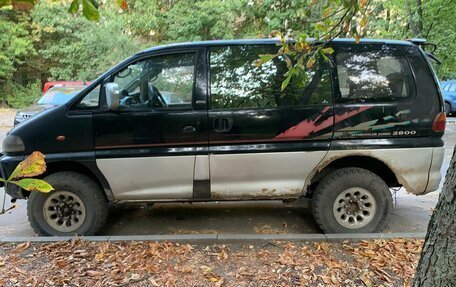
<point x="419" y="21"/>
<point x="415" y="15"/>
<point x="437" y="266"/>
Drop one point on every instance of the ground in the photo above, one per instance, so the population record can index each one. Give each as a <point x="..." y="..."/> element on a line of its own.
<point x="411" y="213"/>
<point x="84" y="263"/>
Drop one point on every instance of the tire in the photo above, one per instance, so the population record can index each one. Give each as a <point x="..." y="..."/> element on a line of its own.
<point x="370" y="210"/>
<point x="76" y="206"/>
<point x="447" y="109"/>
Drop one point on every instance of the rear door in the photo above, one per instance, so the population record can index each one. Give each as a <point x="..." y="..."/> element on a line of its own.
<point x="263" y="141"/>
<point x="147" y="148"/>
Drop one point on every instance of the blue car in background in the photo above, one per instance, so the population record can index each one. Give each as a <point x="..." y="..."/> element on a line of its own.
<point x="449" y="95"/>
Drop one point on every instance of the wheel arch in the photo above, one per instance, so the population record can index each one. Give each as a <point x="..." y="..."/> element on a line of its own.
<point x="88" y="169"/>
<point x="372" y="164"/>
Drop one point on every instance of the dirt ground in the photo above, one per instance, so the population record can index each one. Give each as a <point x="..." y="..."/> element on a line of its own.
<point x="83" y="263"/>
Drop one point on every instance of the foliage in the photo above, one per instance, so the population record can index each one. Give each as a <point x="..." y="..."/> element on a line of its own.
<point x="15" y="45"/>
<point x="19" y="96"/>
<point x="32" y="166"/>
<point x="22" y="176"/>
<point x="49" y="43"/>
<point x="79" y="49"/>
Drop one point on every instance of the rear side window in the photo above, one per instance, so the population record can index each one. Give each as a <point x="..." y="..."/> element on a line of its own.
<point x="236" y="83"/>
<point x="373" y="73"/>
<point x="452" y="88"/>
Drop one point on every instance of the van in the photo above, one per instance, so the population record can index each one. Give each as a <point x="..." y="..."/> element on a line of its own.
<point x="200" y="122"/>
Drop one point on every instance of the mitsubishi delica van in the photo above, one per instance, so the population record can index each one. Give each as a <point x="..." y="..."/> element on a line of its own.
<point x="200" y="122"/>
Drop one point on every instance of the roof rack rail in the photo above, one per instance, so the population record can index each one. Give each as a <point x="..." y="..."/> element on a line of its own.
<point x="423" y="44"/>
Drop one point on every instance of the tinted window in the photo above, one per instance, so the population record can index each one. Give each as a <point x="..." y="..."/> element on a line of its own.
<point x="236" y="83"/>
<point x="158" y="82"/>
<point x="90" y="100"/>
<point x="372" y="73"/>
<point x="58" y="96"/>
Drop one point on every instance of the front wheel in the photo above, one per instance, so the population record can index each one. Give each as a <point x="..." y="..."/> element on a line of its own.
<point x="76" y="206"/>
<point x="352" y="200"/>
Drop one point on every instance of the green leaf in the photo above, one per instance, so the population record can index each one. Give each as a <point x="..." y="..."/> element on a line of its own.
<point x="328" y="50"/>
<point x="263" y="59"/>
<point x="33" y="184"/>
<point x="5" y="3"/>
<point x="74" y="7"/>
<point x="287" y="80"/>
<point x="90" y="11"/>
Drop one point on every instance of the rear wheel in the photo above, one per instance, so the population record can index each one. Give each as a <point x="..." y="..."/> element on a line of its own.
<point x="352" y="200"/>
<point x="76" y="206"/>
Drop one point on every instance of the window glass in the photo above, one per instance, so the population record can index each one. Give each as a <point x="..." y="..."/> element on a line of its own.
<point x="236" y="83"/>
<point x="452" y="88"/>
<point x="90" y="100"/>
<point x="59" y="95"/>
<point x="373" y="74"/>
<point x="158" y="82"/>
<point x="445" y="87"/>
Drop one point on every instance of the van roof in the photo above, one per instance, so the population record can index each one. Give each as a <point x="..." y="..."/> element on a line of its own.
<point x="263" y="42"/>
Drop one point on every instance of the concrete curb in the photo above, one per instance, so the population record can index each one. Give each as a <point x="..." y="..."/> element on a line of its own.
<point x="223" y="238"/>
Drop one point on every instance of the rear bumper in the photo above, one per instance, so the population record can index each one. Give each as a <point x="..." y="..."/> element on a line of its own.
<point x="434" y="171"/>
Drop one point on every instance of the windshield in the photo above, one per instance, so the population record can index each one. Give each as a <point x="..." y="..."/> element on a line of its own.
<point x="59" y="95"/>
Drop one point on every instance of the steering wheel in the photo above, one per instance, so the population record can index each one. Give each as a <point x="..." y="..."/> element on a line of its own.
<point x="156" y="98"/>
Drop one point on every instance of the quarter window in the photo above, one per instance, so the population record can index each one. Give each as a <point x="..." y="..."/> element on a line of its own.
<point x="369" y="73"/>
<point x="236" y="83"/>
<point x="162" y="82"/>
<point x="90" y="100"/>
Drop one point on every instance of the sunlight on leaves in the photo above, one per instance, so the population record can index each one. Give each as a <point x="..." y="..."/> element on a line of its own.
<point x="33" y="165"/>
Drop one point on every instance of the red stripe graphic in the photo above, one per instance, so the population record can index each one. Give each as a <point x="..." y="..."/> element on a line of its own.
<point x="307" y="127"/>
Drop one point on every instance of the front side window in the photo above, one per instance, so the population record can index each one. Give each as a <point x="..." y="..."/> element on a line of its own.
<point x="158" y="82"/>
<point x="236" y="83"/>
<point x="369" y="73"/>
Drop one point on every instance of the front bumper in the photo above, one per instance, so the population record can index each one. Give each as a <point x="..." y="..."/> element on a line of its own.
<point x="7" y="165"/>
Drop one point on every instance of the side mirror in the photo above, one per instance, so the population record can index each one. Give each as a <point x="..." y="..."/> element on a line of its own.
<point x="112" y="93"/>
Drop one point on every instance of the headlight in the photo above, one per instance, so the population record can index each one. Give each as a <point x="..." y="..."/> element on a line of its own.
<point x="13" y="144"/>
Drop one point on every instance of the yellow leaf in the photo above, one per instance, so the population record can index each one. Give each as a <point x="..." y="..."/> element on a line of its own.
<point x="99" y="256"/>
<point x="310" y="63"/>
<point x="363" y="21"/>
<point x="357" y="38"/>
<point x="32" y="166"/>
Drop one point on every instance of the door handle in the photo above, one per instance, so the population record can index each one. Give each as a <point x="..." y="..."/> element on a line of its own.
<point x="223" y="124"/>
<point x="189" y="129"/>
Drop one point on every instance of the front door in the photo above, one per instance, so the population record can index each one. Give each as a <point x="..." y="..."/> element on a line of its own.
<point x="264" y="142"/>
<point x="147" y="149"/>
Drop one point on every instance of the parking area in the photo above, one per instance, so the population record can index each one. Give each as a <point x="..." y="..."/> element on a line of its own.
<point x="411" y="213"/>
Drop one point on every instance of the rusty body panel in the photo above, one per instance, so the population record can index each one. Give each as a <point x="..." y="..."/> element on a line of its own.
<point x="411" y="167"/>
<point x="261" y="175"/>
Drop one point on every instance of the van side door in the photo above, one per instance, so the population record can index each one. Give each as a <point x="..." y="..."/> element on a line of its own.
<point x="264" y="141"/>
<point x="147" y="148"/>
